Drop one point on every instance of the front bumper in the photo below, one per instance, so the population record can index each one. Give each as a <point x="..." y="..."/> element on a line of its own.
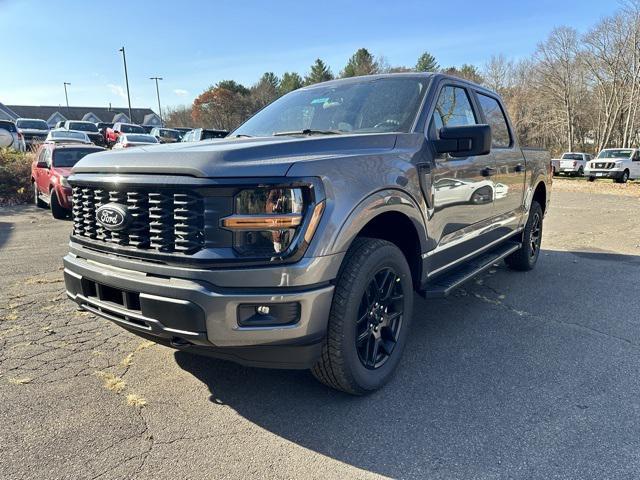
<point x="601" y="173"/>
<point x="193" y="314"/>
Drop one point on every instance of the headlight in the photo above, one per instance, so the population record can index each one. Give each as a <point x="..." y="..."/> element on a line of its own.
<point x="271" y="221"/>
<point x="64" y="182"/>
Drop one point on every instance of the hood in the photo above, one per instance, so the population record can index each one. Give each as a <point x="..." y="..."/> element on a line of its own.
<point x="63" y="171"/>
<point x="233" y="157"/>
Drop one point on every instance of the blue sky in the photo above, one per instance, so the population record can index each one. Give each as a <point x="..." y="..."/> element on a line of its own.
<point x="196" y="44"/>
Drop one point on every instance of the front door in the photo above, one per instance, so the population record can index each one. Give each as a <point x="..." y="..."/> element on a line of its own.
<point x="462" y="188"/>
<point x="635" y="165"/>
<point x="509" y="177"/>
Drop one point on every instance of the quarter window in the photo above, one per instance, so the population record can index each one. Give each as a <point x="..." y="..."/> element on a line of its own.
<point x="500" y="137"/>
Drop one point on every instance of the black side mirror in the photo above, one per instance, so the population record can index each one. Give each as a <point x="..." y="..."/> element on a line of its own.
<point x="42" y="165"/>
<point x="464" y="141"/>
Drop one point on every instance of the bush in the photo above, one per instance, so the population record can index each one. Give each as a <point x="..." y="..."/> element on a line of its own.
<point x="15" y="177"/>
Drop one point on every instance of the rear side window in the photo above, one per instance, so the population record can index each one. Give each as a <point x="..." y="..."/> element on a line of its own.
<point x="500" y="137"/>
<point x="10" y="126"/>
<point x="453" y="109"/>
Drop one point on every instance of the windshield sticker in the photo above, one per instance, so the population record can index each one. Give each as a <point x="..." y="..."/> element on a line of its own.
<point x="319" y="100"/>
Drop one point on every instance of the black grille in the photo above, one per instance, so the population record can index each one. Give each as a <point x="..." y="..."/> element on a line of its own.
<point x="164" y="221"/>
<point x="605" y="165"/>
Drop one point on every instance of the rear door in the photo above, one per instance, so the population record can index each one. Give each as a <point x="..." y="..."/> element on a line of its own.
<point x="635" y="165"/>
<point x="509" y="177"/>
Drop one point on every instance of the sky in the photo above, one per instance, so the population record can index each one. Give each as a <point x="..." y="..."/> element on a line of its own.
<point x="193" y="45"/>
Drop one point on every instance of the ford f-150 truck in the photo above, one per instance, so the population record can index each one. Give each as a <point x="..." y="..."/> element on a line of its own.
<point x="299" y="240"/>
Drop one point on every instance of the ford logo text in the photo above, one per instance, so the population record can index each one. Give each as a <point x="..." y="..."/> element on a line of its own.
<point x="113" y="216"/>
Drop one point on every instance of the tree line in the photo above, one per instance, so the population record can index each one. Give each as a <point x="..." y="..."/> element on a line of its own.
<point x="576" y="92"/>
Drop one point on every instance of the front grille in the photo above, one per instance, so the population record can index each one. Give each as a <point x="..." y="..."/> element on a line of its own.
<point x="162" y="221"/>
<point x="605" y="165"/>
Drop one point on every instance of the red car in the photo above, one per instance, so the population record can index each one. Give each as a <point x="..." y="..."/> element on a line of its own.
<point x="112" y="134"/>
<point x="49" y="172"/>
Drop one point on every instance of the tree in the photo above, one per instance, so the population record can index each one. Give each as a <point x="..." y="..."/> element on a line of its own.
<point x="466" y="71"/>
<point x="179" y="116"/>
<point x="319" y="72"/>
<point x="427" y="63"/>
<point x="498" y="74"/>
<point x="290" y="81"/>
<point x="233" y="86"/>
<point x="220" y="107"/>
<point x="360" y="63"/>
<point x="265" y="91"/>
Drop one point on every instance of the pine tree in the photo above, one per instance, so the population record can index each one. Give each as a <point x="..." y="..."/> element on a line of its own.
<point x="427" y="63"/>
<point x="360" y="63"/>
<point x="290" y="81"/>
<point x="320" y="72"/>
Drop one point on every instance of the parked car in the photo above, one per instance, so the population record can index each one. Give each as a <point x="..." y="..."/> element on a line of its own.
<point x="102" y="128"/>
<point x="128" y="140"/>
<point x="49" y="171"/>
<point x="148" y="128"/>
<point x="118" y="128"/>
<point x="62" y="135"/>
<point x="198" y="134"/>
<point x="166" y="135"/>
<point x="10" y="137"/>
<point x="89" y="128"/>
<point x="34" y="131"/>
<point x="59" y="124"/>
<point x="620" y="164"/>
<point x="299" y="241"/>
<point x="570" y="163"/>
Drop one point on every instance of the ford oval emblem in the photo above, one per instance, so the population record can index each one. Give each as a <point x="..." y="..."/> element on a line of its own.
<point x="113" y="216"/>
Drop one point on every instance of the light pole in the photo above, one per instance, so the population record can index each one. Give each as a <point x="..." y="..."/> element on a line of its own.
<point x="126" y="79"/>
<point x="158" y="93"/>
<point x="65" y="95"/>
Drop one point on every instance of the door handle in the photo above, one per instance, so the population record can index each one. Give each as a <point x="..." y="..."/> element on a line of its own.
<point x="488" y="171"/>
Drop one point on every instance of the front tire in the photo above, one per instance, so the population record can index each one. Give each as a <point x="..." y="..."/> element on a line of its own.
<point x="592" y="179"/>
<point x="57" y="211"/>
<point x="369" y="318"/>
<point x="624" y="178"/>
<point x="526" y="256"/>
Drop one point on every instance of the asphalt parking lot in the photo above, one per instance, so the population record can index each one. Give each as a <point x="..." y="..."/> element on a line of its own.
<point x="532" y="375"/>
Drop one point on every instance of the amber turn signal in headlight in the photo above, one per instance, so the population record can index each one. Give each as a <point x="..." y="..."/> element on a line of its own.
<point x="262" y="222"/>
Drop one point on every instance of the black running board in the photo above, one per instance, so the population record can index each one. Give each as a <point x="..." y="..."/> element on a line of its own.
<point x="444" y="285"/>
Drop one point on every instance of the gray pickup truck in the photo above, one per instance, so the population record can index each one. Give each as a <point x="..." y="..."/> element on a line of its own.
<point x="300" y="240"/>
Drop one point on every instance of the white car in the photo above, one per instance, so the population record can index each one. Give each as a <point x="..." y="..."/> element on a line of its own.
<point x="571" y="163"/>
<point x="448" y="191"/>
<point x="10" y="137"/>
<point x="128" y="140"/>
<point x="60" y="135"/>
<point x="620" y="164"/>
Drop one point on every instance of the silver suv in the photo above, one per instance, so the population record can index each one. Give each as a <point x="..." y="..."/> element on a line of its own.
<point x="10" y="137"/>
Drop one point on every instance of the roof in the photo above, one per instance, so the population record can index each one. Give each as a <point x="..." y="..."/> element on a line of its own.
<point x="105" y="114"/>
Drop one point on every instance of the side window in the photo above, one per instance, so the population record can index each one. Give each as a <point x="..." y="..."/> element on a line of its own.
<point x="453" y="108"/>
<point x="47" y="157"/>
<point x="500" y="137"/>
<point x="41" y="155"/>
<point x="636" y="156"/>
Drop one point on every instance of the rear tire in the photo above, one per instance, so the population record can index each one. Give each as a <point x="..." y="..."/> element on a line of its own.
<point x="369" y="318"/>
<point x="57" y="211"/>
<point x="592" y="179"/>
<point x="581" y="172"/>
<point x="526" y="256"/>
<point x="36" y="197"/>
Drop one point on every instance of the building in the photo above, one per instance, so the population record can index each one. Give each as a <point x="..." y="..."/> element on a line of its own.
<point x="52" y="115"/>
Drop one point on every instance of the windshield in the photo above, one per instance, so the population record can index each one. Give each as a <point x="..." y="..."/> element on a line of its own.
<point x="70" y="156"/>
<point x="615" y="153"/>
<point x="33" y="124"/>
<point x="572" y="156"/>
<point x="170" y="134"/>
<point x="141" y="138"/>
<point x="83" y="127"/>
<point x="366" y="106"/>
<point x="68" y="134"/>
<point x="131" y="129"/>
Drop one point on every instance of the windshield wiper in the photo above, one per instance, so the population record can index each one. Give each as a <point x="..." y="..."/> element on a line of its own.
<point x="308" y="131"/>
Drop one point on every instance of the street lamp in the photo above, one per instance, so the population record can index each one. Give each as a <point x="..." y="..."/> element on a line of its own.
<point x="126" y="79"/>
<point x="65" y="95"/>
<point x="158" y="93"/>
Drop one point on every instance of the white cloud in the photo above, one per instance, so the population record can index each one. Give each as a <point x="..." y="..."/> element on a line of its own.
<point x="181" y="92"/>
<point x="117" y="90"/>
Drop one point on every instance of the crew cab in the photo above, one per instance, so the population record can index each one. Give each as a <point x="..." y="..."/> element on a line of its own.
<point x="619" y="164"/>
<point x="49" y="171"/>
<point x="34" y="131"/>
<point x="299" y="240"/>
<point x="89" y="128"/>
<point x="571" y="163"/>
<point x="118" y="128"/>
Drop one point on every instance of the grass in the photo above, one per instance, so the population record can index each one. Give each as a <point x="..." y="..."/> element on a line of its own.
<point x="15" y="177"/>
<point x="20" y="381"/>
<point x="134" y="400"/>
<point x="112" y="382"/>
